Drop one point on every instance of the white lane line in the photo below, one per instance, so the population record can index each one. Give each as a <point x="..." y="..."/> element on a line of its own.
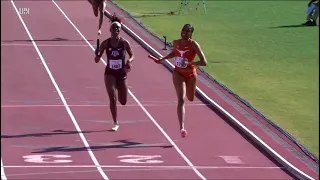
<point x="3" y="175"/>
<point x="142" y="107"/>
<point x="90" y="105"/>
<point x="56" y="45"/>
<point x="150" y="167"/>
<point x="247" y="131"/>
<point x="94" y="159"/>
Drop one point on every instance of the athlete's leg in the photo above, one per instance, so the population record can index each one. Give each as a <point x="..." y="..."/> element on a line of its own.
<point x="191" y="87"/>
<point x="110" y="82"/>
<point x="180" y="86"/>
<point x="94" y="7"/>
<point x="315" y="14"/>
<point x="122" y="91"/>
<point x="102" y="7"/>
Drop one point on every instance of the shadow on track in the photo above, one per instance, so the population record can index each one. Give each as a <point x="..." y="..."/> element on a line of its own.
<point x="104" y="146"/>
<point x="55" y="132"/>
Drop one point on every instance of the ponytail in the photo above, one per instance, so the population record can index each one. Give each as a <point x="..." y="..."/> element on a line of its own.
<point x="115" y="18"/>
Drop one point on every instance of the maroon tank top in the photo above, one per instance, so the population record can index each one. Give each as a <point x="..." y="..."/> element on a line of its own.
<point x="116" y="59"/>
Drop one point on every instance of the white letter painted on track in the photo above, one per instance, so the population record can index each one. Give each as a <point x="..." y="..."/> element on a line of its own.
<point x="232" y="159"/>
<point x="46" y="158"/>
<point x="140" y="159"/>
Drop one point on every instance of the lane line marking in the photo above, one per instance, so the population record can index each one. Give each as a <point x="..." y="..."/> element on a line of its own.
<point x="90" y="105"/>
<point x="3" y="174"/>
<point x="151" y="167"/>
<point x="248" y="132"/>
<point x="95" y="161"/>
<point x="57" y="45"/>
<point x="48" y="45"/>
<point x="142" y="107"/>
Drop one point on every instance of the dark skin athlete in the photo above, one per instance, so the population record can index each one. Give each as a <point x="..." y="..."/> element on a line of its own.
<point x="98" y="8"/>
<point x="110" y="81"/>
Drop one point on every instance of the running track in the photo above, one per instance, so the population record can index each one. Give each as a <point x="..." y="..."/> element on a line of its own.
<point x="56" y="120"/>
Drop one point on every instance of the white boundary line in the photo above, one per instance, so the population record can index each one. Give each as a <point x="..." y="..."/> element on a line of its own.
<point x="92" y="105"/>
<point x="57" y="45"/>
<point x="3" y="175"/>
<point x="149" y="167"/>
<point x="265" y="146"/>
<point x="142" y="107"/>
<point x="48" y="45"/>
<point x="95" y="161"/>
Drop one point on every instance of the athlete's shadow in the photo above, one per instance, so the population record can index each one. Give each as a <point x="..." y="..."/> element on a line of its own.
<point x="150" y="14"/>
<point x="55" y="132"/>
<point x="104" y="146"/>
<point x="291" y="26"/>
<point x="45" y="40"/>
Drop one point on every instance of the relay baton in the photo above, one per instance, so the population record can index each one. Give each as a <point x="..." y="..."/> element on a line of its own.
<point x="98" y="47"/>
<point x="154" y="59"/>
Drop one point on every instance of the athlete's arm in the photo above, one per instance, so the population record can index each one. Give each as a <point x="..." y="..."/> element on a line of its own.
<point x="170" y="55"/>
<point x="203" y="60"/>
<point x="103" y="47"/>
<point x="129" y="50"/>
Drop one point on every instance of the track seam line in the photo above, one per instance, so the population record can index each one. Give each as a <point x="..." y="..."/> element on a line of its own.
<point x="48" y="45"/>
<point x="151" y="167"/>
<point x="95" y="161"/>
<point x="142" y="107"/>
<point x="93" y="105"/>
<point x="55" y="45"/>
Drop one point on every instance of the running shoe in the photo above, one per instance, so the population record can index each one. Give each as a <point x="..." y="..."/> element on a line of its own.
<point x="183" y="133"/>
<point x="115" y="127"/>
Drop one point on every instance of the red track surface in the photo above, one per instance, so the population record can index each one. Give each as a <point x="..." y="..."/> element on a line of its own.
<point x="35" y="120"/>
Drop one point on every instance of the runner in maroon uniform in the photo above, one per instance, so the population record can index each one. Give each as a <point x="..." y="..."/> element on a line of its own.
<point x="115" y="75"/>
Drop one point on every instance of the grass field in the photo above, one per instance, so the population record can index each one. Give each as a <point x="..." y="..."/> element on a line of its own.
<point x="252" y="49"/>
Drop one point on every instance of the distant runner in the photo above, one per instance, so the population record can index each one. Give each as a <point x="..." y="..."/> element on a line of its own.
<point x="99" y="5"/>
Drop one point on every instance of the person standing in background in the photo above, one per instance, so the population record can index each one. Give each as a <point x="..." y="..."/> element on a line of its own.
<point x="312" y="13"/>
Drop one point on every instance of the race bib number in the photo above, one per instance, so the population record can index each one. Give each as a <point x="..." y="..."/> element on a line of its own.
<point x="115" y="64"/>
<point x="179" y="62"/>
